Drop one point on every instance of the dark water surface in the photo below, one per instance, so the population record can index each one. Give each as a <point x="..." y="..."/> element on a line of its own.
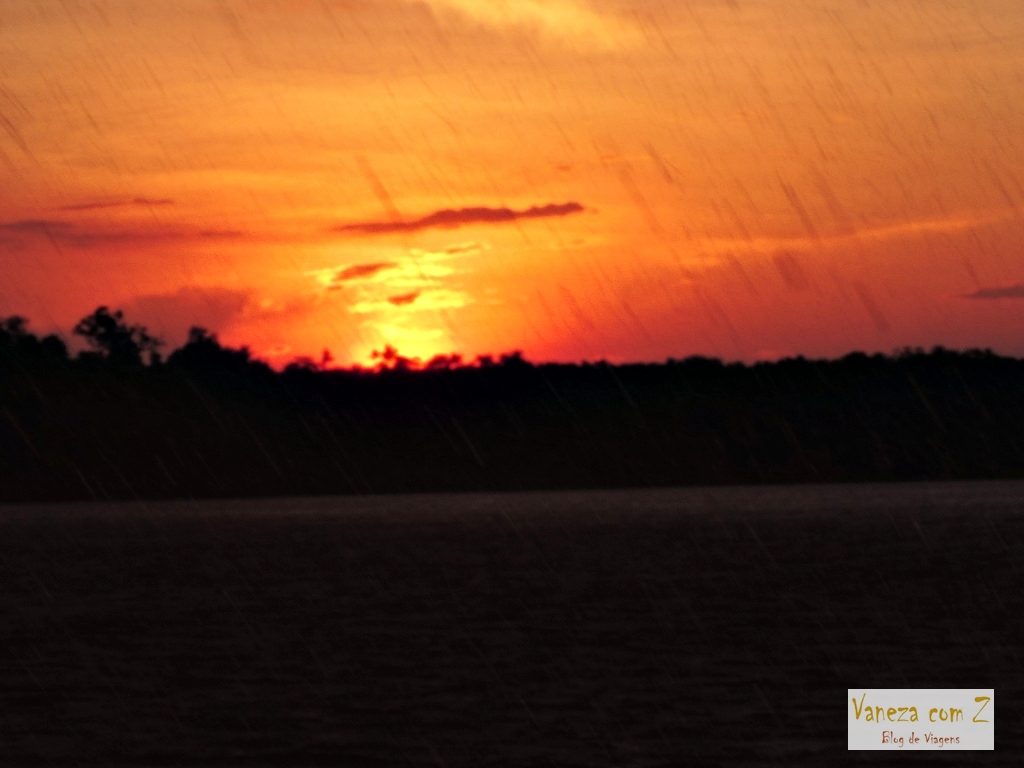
<point x="627" y="628"/>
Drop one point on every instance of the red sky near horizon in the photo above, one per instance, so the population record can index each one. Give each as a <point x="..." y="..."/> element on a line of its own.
<point x="619" y="179"/>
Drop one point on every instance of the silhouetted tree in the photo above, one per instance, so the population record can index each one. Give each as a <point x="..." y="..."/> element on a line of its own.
<point x="203" y="354"/>
<point x="513" y="360"/>
<point x="443" y="362"/>
<point x="303" y="363"/>
<point x="308" y="364"/>
<point x="214" y="420"/>
<point x="12" y="327"/>
<point x="390" y="360"/>
<point x="16" y="343"/>
<point x="111" y="338"/>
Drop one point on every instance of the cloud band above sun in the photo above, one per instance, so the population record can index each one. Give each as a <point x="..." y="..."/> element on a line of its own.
<point x="1015" y="291"/>
<point x="452" y="218"/>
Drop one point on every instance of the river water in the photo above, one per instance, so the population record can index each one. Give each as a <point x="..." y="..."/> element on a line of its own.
<point x="670" y="627"/>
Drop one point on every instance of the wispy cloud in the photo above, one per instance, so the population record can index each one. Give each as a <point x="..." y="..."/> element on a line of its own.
<point x="420" y="270"/>
<point x="62" y="232"/>
<point x="418" y="301"/>
<point x="394" y="298"/>
<point x="452" y="218"/>
<point x="403" y="299"/>
<point x="217" y="234"/>
<point x="464" y="248"/>
<point x="569" y="21"/>
<point x="867" y="233"/>
<point x="35" y="226"/>
<point x="1015" y="291"/>
<point x="358" y="271"/>
<point x="147" y="202"/>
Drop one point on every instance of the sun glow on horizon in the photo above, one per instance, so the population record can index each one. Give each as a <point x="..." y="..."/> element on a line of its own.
<point x="575" y="178"/>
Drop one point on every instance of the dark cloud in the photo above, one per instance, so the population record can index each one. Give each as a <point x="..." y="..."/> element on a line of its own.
<point x="147" y="202"/>
<point x="451" y="218"/>
<point x="35" y="226"/>
<point x="404" y="298"/>
<point x="60" y="232"/>
<point x="220" y="234"/>
<point x="461" y="248"/>
<point x="359" y="271"/>
<point x="1015" y="291"/>
<point x="14" y="232"/>
<point x="170" y="315"/>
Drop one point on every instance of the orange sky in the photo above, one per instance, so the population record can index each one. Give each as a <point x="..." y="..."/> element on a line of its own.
<point x="626" y="179"/>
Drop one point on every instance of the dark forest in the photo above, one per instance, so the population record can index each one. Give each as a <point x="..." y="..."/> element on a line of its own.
<point x="121" y="421"/>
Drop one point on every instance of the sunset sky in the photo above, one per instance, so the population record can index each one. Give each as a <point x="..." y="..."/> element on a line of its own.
<point x="619" y="179"/>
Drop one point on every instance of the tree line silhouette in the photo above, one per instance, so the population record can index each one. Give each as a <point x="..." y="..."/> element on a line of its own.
<point x="120" y="421"/>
